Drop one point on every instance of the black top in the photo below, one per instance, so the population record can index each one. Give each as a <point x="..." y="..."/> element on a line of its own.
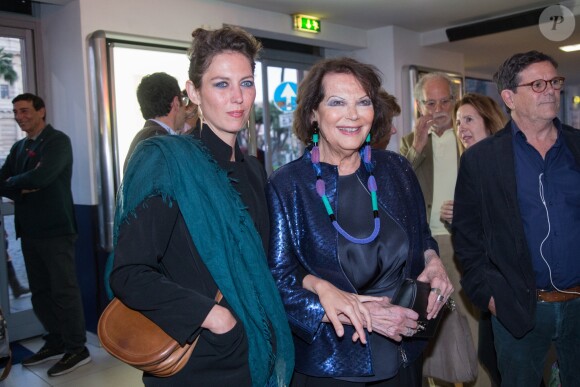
<point x="375" y="268"/>
<point x="248" y="178"/>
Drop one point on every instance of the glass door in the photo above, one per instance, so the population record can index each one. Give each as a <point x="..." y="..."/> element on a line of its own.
<point x="276" y="84"/>
<point x="16" y="77"/>
<point x="281" y="68"/>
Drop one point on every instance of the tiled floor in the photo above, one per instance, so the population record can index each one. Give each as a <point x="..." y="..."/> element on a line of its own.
<point x="103" y="370"/>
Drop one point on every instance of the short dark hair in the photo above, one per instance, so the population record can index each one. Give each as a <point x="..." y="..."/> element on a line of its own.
<point x="311" y="93"/>
<point x="155" y="94"/>
<point x="37" y="102"/>
<point x="207" y="44"/>
<point x="507" y="76"/>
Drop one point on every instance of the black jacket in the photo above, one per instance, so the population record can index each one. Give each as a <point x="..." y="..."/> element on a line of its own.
<point x="150" y="129"/>
<point x="45" y="166"/>
<point x="488" y="232"/>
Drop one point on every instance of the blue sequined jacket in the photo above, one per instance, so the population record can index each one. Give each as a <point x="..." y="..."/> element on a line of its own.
<point x="303" y="241"/>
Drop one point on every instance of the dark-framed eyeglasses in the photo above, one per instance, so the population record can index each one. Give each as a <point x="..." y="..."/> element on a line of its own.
<point x="444" y="103"/>
<point x="539" y="85"/>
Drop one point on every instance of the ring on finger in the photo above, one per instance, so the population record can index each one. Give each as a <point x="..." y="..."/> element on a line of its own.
<point x="436" y="291"/>
<point x="410" y="332"/>
<point x="440" y="298"/>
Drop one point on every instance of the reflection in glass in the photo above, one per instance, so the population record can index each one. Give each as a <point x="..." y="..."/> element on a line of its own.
<point x="283" y="143"/>
<point x="131" y="63"/>
<point x="11" y="84"/>
<point x="18" y="285"/>
<point x="12" y="58"/>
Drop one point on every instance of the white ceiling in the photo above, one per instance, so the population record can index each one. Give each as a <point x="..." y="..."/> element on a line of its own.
<point x="482" y="55"/>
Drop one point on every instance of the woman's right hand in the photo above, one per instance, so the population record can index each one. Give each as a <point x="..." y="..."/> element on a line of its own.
<point x="342" y="307"/>
<point x="219" y="320"/>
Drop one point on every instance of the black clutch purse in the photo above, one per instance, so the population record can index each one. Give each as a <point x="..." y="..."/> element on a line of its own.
<point x="414" y="295"/>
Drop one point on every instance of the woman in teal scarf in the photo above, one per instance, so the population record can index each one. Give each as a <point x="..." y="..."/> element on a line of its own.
<point x="192" y="218"/>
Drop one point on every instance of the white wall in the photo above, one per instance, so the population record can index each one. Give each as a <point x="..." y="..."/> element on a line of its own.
<point x="67" y="93"/>
<point x="66" y="28"/>
<point x="380" y="52"/>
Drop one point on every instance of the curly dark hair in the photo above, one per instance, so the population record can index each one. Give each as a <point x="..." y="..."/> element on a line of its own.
<point x="207" y="44"/>
<point x="507" y="76"/>
<point x="393" y="109"/>
<point x="155" y="94"/>
<point x="311" y="93"/>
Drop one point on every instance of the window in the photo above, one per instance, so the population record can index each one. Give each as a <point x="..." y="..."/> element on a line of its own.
<point x="4" y="92"/>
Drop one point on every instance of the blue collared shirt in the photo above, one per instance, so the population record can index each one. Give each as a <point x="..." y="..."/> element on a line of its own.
<point x="549" y="199"/>
<point x="166" y="127"/>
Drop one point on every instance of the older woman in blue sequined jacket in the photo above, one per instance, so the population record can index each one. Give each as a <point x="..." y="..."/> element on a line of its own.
<point x="348" y="226"/>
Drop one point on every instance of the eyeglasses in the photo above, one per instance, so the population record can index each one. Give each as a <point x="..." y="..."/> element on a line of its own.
<point x="432" y="104"/>
<point x="540" y="85"/>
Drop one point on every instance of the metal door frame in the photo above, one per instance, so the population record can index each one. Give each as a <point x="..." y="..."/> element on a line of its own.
<point x="22" y="324"/>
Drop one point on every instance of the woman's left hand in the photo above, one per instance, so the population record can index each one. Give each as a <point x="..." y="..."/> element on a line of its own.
<point x="441" y="287"/>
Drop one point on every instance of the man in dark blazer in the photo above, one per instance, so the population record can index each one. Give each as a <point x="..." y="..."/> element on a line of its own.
<point x="516" y="225"/>
<point x="37" y="176"/>
<point x="162" y="105"/>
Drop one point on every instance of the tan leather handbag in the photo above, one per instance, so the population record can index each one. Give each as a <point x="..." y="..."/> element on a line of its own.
<point x="134" y="339"/>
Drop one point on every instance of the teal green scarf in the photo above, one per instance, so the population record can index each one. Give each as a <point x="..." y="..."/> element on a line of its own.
<point x="179" y="167"/>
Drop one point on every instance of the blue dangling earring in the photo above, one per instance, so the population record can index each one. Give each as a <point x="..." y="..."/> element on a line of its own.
<point x="315" y="153"/>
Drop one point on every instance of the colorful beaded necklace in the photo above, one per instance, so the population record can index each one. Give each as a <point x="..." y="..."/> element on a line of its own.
<point x="365" y="154"/>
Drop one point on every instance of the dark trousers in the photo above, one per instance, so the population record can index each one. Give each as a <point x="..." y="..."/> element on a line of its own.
<point x="521" y="361"/>
<point x="56" y="297"/>
<point x="410" y="376"/>
<point x="486" y="348"/>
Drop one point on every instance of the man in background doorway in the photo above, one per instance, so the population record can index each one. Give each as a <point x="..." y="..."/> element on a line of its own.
<point x="163" y="107"/>
<point x="37" y="176"/>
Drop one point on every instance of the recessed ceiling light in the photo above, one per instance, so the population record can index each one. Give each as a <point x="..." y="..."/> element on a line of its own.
<point x="573" y="47"/>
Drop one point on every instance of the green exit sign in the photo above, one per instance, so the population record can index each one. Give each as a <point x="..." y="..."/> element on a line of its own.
<point x="306" y="23"/>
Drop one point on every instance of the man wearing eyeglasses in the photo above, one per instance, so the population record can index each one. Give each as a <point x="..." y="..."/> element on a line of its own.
<point x="162" y="105"/>
<point x="432" y="146"/>
<point x="432" y="151"/>
<point x="516" y="225"/>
